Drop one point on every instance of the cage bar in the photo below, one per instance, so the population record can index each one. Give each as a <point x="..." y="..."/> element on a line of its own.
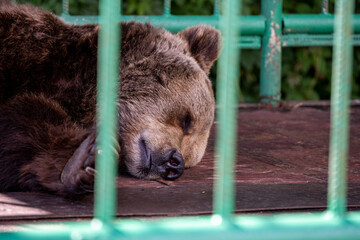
<point x="167" y="7"/>
<point x="65" y="7"/>
<point x="108" y="78"/>
<point x="314" y="23"/>
<point x="228" y="75"/>
<point x="270" y="71"/>
<point x="340" y="95"/>
<point x="333" y="224"/>
<point x="216" y="7"/>
<point x="316" y="226"/>
<point x="325" y="6"/>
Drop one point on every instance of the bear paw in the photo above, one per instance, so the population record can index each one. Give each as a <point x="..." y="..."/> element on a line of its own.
<point x="79" y="172"/>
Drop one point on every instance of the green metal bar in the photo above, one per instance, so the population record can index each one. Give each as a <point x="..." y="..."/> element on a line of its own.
<point x="248" y="25"/>
<point x="270" y="72"/>
<point x="325" y="6"/>
<point x="314" y="23"/>
<point x="228" y="75"/>
<point x="249" y="42"/>
<point x="317" y="226"/>
<point x="108" y="78"/>
<point x="340" y="95"/>
<point x="65" y="7"/>
<point x="167" y="7"/>
<point x="217" y="7"/>
<point x="252" y="27"/>
<point x="305" y="40"/>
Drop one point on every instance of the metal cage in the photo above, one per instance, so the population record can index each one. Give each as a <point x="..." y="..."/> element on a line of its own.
<point x="269" y="31"/>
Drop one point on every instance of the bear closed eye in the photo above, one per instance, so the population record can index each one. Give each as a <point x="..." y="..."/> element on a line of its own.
<point x="48" y="100"/>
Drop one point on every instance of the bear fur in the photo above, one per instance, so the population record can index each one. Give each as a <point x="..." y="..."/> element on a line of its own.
<point x="48" y="100"/>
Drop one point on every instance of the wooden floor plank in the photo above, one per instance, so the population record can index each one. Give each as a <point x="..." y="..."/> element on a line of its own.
<point x="281" y="166"/>
<point x="171" y="201"/>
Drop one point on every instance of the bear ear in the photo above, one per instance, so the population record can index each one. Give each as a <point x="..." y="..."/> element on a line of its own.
<point x="203" y="43"/>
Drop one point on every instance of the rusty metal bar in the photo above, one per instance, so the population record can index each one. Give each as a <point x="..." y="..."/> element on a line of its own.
<point x="270" y="72"/>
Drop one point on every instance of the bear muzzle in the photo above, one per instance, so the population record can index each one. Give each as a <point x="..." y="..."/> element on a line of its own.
<point x="173" y="165"/>
<point x="168" y="166"/>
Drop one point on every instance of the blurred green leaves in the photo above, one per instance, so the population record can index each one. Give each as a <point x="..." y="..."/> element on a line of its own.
<point x="51" y="5"/>
<point x="192" y="7"/>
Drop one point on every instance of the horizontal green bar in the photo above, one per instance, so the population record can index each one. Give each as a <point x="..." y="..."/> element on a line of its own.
<point x="250" y="42"/>
<point x="247" y="42"/>
<point x="249" y="25"/>
<point x="293" y="226"/>
<point x="306" y="40"/>
<point x="251" y="30"/>
<point x="314" y="23"/>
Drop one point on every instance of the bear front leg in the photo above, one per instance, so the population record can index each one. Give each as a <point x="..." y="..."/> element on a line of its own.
<point x="79" y="171"/>
<point x="43" y="149"/>
<point x="38" y="140"/>
<point x="66" y="166"/>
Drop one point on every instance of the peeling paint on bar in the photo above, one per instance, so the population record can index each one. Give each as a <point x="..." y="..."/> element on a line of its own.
<point x="270" y="72"/>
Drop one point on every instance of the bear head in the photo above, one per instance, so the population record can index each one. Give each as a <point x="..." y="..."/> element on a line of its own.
<point x="166" y="103"/>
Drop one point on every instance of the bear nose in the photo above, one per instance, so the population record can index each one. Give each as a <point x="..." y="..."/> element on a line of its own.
<point x="173" y="165"/>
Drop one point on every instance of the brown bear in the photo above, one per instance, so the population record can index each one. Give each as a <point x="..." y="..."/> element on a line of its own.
<point x="48" y="100"/>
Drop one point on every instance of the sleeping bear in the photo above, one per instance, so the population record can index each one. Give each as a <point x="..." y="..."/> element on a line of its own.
<point x="48" y="100"/>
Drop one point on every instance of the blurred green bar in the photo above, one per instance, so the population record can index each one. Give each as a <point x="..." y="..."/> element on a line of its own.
<point x="65" y="7"/>
<point x="270" y="71"/>
<point x="340" y="95"/>
<point x="304" y="40"/>
<point x="325" y="6"/>
<point x="216" y="7"/>
<point x="108" y="85"/>
<point x="167" y="7"/>
<point x="248" y="25"/>
<point x="314" y="23"/>
<point x="228" y="75"/>
<point x="295" y="226"/>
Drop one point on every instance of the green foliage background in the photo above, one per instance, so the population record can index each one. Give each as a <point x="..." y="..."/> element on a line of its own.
<point x="306" y="72"/>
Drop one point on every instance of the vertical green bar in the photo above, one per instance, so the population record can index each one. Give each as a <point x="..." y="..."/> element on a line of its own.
<point x="108" y="80"/>
<point x="228" y="75"/>
<point x="65" y="7"/>
<point x="325" y="6"/>
<point x="340" y="94"/>
<point x="167" y="7"/>
<point x="270" y="72"/>
<point x="216" y="7"/>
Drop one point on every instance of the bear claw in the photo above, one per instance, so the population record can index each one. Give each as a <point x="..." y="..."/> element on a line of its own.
<point x="78" y="173"/>
<point x="90" y="171"/>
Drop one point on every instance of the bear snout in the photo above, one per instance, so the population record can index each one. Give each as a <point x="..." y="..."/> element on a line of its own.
<point x="172" y="166"/>
<point x="168" y="166"/>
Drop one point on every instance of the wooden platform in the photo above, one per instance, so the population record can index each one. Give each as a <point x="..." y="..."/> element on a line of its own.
<point x="281" y="166"/>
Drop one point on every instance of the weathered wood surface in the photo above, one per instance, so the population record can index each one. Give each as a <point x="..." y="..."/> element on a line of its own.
<point x="281" y="166"/>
